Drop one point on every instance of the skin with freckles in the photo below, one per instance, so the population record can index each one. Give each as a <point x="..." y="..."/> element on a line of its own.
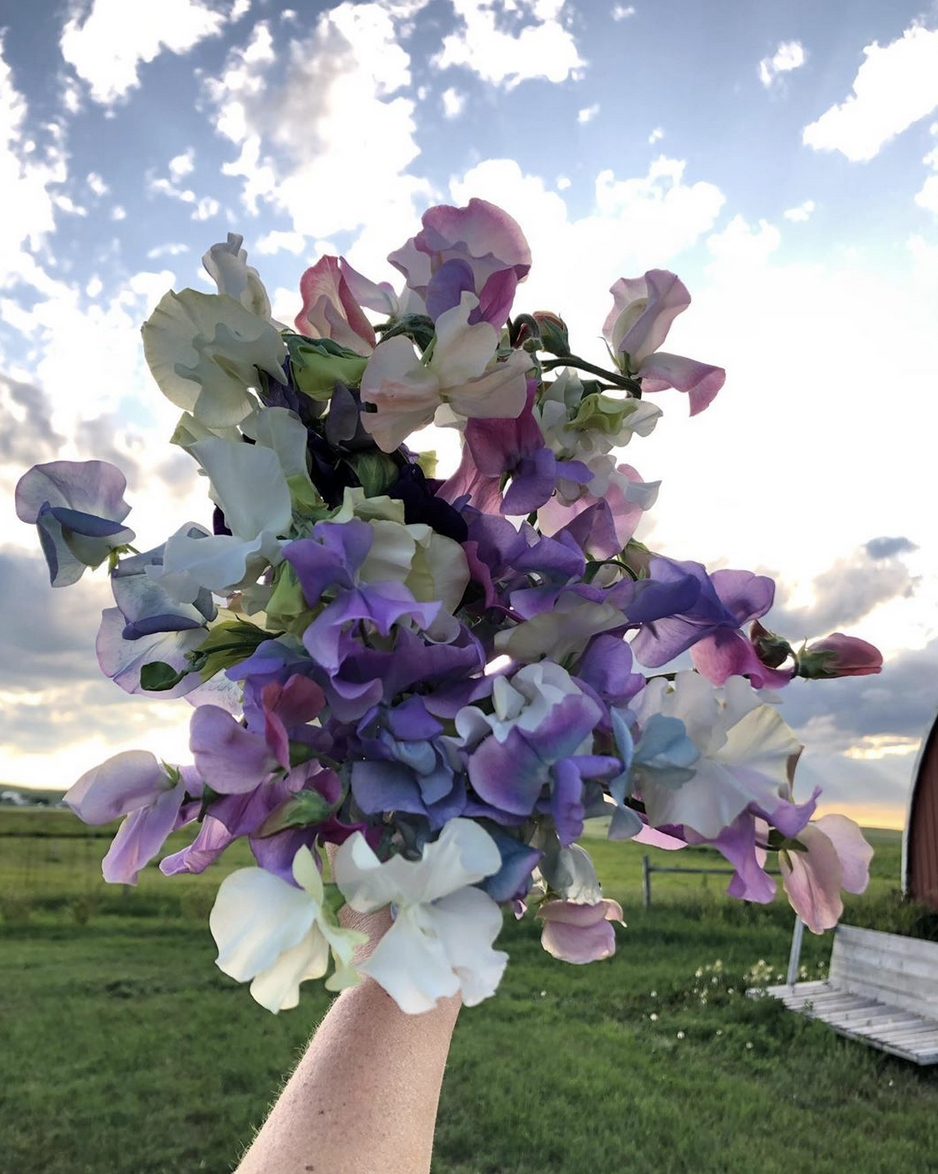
<point x="364" y="1097"/>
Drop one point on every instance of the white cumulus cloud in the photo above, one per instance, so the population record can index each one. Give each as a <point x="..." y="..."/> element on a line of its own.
<point x="106" y="42"/>
<point x="622" y="11"/>
<point x="587" y="114"/>
<point x="801" y="212"/>
<point x="503" y="54"/>
<point x="788" y="56"/>
<point x="895" y="86"/>
<point x="332" y="106"/>
<point x="454" y="102"/>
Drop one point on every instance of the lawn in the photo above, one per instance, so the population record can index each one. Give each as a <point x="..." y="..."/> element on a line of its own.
<point x="123" y="1050"/>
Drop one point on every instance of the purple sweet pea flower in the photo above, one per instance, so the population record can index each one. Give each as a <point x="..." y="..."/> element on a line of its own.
<point x="720" y="605"/>
<point x="479" y="248"/>
<point x="79" y="508"/>
<point x="122" y="660"/>
<point x="133" y="784"/>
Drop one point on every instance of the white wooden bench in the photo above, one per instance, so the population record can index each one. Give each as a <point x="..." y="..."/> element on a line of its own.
<point x="881" y="989"/>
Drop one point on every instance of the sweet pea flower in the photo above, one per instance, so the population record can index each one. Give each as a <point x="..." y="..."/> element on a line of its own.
<point x="206" y="350"/>
<point x="330" y="309"/>
<point x="249" y="486"/>
<point x="836" y="857"/>
<point x="278" y="935"/>
<point x="461" y="372"/>
<point x="838" y="655"/>
<point x="479" y="249"/>
<point x="135" y="785"/>
<point x="79" y="509"/>
<point x="744" y="751"/>
<point x="440" y="943"/>
<point x="638" y="324"/>
<point x="580" y="933"/>
<point x="226" y="264"/>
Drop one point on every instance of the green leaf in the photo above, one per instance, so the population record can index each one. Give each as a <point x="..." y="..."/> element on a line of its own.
<point x="157" y="676"/>
<point x="227" y="644"/>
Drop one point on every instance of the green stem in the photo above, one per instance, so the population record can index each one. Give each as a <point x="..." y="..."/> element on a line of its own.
<point x="620" y="381"/>
<point x="593" y="569"/>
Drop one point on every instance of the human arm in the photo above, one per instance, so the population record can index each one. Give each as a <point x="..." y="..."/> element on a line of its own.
<point x="363" y="1099"/>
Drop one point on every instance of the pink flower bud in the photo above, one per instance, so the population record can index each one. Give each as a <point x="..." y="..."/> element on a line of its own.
<point x="838" y="655"/>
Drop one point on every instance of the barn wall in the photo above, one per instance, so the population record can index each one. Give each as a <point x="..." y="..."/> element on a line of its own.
<point x="922" y="830"/>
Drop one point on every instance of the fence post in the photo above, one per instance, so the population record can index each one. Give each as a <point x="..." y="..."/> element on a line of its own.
<point x="795" y="956"/>
<point x="646" y="882"/>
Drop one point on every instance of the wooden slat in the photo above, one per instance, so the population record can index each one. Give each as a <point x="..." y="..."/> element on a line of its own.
<point x="872" y="1021"/>
<point x="876" y="938"/>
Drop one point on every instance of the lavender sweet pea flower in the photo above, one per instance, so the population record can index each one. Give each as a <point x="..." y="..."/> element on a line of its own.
<point x="722" y="603"/>
<point x="136" y="785"/>
<point x="580" y="933"/>
<point x="478" y="249"/>
<point x="541" y="720"/>
<point x="78" y="508"/>
<point x="122" y="660"/>
<point x="147" y="607"/>
<point x="638" y="324"/>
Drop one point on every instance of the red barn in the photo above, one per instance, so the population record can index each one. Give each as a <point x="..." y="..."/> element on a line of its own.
<point x="920" y="839"/>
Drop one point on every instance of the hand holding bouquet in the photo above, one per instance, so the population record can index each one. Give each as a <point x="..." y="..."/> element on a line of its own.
<point x="444" y="679"/>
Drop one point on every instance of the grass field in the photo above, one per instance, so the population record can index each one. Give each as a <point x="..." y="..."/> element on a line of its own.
<point x="123" y="1050"/>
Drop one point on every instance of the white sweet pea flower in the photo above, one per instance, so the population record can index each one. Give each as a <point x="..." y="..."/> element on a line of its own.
<point x="226" y="264"/>
<point x="744" y="745"/>
<point x="278" y="936"/>
<point x="249" y="485"/>
<point x="206" y="350"/>
<point x="461" y="373"/>
<point x="441" y="939"/>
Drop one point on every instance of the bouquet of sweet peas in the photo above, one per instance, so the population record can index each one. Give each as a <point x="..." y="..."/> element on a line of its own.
<point x="443" y="679"/>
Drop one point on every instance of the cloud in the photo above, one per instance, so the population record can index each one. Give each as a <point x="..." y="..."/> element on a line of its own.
<point x="304" y="129"/>
<point x="97" y="184"/>
<point x="454" y="102"/>
<point x="28" y="436"/>
<point x="541" y="47"/>
<point x="170" y="250"/>
<point x="183" y="164"/>
<point x="788" y="56"/>
<point x="278" y="242"/>
<point x="28" y="173"/>
<point x="801" y="213"/>
<point x="107" y="41"/>
<point x="587" y="114"/>
<point x="622" y="11"/>
<point x="882" y="548"/>
<point x="847" y="592"/>
<point x="655" y="135"/>
<point x="894" y="87"/>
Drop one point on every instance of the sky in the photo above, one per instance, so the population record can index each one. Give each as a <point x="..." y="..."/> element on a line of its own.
<point x="781" y="158"/>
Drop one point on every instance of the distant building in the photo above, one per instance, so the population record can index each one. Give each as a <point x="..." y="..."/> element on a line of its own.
<point x="920" y="839"/>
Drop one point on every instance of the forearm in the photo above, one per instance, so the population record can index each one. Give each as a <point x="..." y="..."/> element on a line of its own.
<point x="364" y="1097"/>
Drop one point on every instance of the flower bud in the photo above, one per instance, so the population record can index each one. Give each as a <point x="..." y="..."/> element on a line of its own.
<point x="772" y="650"/>
<point x="553" y="330"/>
<point x="838" y="655"/>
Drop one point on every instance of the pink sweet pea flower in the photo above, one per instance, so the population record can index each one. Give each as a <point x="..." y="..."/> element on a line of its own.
<point x="638" y="324"/>
<point x="838" y="655"/>
<point x="136" y="785"/>
<point x="837" y="857"/>
<point x="330" y="309"/>
<point x="580" y="933"/>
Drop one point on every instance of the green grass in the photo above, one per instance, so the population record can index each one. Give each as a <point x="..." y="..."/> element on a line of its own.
<point x="123" y="1050"/>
